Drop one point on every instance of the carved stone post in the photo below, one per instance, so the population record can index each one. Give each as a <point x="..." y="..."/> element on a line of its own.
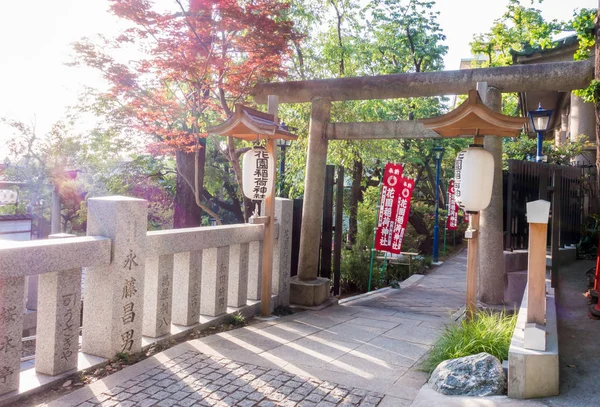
<point x="11" y="329"/>
<point x="254" y="270"/>
<point x="238" y="275"/>
<point x="215" y="270"/>
<point x="283" y="251"/>
<point x="158" y="292"/>
<point x="114" y="295"/>
<point x="57" y="334"/>
<point x="187" y="277"/>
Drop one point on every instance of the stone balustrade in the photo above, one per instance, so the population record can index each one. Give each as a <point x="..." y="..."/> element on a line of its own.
<point x="137" y="283"/>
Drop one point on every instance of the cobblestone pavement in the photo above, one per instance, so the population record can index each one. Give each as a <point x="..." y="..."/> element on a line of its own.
<point x="196" y="379"/>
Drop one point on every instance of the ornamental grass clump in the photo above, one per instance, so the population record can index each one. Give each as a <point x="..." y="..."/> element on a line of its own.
<point x="489" y="332"/>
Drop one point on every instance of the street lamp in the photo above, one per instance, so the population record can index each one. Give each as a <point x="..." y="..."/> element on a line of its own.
<point x="283" y="145"/>
<point x="438" y="153"/>
<point x="540" y="119"/>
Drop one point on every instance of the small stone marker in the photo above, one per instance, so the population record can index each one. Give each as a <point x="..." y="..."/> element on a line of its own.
<point x="283" y="251"/>
<point x="215" y="270"/>
<point x="59" y="315"/>
<point x="238" y="275"/>
<point x="12" y="299"/>
<point x="158" y="293"/>
<point x="254" y="270"/>
<point x="187" y="277"/>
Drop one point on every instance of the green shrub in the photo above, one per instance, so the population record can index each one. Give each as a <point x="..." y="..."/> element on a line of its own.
<point x="488" y="332"/>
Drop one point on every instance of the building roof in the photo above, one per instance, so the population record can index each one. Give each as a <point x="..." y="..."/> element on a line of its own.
<point x="249" y="124"/>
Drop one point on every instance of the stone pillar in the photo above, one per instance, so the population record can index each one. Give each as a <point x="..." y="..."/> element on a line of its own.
<point x="283" y="251"/>
<point x="158" y="292"/>
<point x="215" y="270"/>
<point x="306" y="288"/>
<point x="314" y="184"/>
<point x="57" y="334"/>
<point x="238" y="275"/>
<point x="582" y="122"/>
<point x="11" y="330"/>
<point x="114" y="295"/>
<point x="254" y="270"/>
<point x="187" y="276"/>
<point x="491" y="249"/>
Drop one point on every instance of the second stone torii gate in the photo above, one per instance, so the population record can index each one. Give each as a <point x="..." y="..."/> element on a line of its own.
<point x="307" y="289"/>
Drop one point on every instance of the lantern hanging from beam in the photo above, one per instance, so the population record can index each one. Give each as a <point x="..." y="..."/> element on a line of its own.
<point x="258" y="174"/>
<point x="474" y="178"/>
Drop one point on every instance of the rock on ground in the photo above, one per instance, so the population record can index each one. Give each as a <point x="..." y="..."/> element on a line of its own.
<point x="475" y="375"/>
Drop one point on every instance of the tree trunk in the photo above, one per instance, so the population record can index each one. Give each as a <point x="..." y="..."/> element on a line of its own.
<point x="187" y="213"/>
<point x="355" y="197"/>
<point x="596" y="193"/>
<point x="421" y="228"/>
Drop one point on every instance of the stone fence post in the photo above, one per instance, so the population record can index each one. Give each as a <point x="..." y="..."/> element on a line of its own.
<point x="59" y="315"/>
<point x="114" y="294"/>
<point x="12" y="296"/>
<point x="282" y="251"/>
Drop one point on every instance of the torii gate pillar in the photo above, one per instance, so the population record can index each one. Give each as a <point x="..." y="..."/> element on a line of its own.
<point x="491" y="250"/>
<point x="307" y="288"/>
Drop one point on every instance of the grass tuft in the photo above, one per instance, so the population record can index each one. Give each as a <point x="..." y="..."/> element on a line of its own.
<point x="237" y="319"/>
<point x="488" y="332"/>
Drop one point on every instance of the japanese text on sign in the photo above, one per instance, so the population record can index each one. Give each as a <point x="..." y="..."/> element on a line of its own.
<point x="388" y="206"/>
<point x="261" y="173"/>
<point x="402" y="213"/>
<point x="452" y="221"/>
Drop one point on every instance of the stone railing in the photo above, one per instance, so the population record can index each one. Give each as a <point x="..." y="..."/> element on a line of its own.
<point x="137" y="283"/>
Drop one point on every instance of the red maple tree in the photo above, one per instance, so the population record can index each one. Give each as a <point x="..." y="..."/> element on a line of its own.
<point x="190" y="66"/>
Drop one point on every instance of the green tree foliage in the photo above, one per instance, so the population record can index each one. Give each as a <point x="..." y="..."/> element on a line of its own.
<point x="520" y="28"/>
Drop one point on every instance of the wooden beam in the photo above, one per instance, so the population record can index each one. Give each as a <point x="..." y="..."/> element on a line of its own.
<point x="378" y="130"/>
<point x="553" y="76"/>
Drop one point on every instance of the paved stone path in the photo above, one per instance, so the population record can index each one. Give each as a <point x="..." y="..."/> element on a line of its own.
<point x="197" y="379"/>
<point x="361" y="353"/>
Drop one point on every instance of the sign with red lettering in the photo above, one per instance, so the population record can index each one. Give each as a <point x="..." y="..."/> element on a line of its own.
<point x="402" y="213"/>
<point x="452" y="221"/>
<point x="387" y="207"/>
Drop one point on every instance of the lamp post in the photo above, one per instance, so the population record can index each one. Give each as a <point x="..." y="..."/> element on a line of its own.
<point x="283" y="145"/>
<point x="540" y="119"/>
<point x="438" y="153"/>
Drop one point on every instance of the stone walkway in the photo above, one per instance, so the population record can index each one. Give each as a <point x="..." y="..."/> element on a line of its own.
<point x="362" y="353"/>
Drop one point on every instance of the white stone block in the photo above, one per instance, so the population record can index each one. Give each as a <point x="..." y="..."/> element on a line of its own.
<point x="255" y="270"/>
<point x="114" y="294"/>
<point x="187" y="278"/>
<point x="11" y="329"/>
<point x="158" y="293"/>
<point x="534" y="337"/>
<point x="215" y="270"/>
<point x="238" y="275"/>
<point x="538" y="211"/>
<point x="282" y="251"/>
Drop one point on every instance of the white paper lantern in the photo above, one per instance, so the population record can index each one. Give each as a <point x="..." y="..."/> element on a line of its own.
<point x="474" y="178"/>
<point x="258" y="174"/>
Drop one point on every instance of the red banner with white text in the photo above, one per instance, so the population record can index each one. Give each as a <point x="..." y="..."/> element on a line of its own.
<point x="402" y="213"/>
<point x="387" y="207"/>
<point x="452" y="221"/>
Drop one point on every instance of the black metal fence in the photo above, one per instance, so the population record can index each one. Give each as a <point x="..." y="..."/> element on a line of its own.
<point x="528" y="181"/>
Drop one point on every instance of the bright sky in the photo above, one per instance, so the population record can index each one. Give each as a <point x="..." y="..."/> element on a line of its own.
<point x="35" y="38"/>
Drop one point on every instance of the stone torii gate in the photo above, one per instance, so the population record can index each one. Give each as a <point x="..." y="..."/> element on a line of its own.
<point x="310" y="290"/>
